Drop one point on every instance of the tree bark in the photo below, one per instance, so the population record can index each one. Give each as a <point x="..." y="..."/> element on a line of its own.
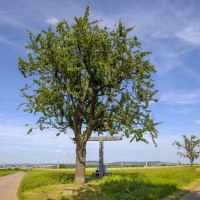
<point x="191" y="162"/>
<point x="80" y="162"/>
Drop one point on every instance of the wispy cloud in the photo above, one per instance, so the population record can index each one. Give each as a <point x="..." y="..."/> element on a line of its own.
<point x="155" y="21"/>
<point x="190" y="34"/>
<point x="6" y="41"/>
<point x="192" y="97"/>
<point x="197" y="121"/>
<point x="34" y="147"/>
<point x="52" y="20"/>
<point x="179" y="111"/>
<point x="15" y="136"/>
<point x="12" y="20"/>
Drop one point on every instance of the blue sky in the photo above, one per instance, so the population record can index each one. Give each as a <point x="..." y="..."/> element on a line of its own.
<point x="168" y="28"/>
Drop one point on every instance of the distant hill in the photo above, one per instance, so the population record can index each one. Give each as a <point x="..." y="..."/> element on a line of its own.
<point x="92" y="162"/>
<point x="89" y="163"/>
<point x="95" y="163"/>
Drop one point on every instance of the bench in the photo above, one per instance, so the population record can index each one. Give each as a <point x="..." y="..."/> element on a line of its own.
<point x="96" y="174"/>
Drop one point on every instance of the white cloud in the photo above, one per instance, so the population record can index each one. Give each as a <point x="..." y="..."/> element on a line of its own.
<point x="52" y="20"/>
<point x="197" y="121"/>
<point x="179" y="97"/>
<point x="190" y="34"/>
<point x="57" y="151"/>
<point x="39" y="147"/>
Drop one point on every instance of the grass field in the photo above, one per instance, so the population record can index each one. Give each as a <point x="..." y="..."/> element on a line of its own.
<point x="126" y="184"/>
<point x="4" y="172"/>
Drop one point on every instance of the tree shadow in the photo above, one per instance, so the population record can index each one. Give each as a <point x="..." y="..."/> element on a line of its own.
<point x="132" y="186"/>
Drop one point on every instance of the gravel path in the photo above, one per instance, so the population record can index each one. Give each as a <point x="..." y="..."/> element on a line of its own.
<point x="9" y="185"/>
<point x="194" y="195"/>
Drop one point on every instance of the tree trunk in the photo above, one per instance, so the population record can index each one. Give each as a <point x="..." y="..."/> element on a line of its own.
<point x="191" y="162"/>
<point x="80" y="162"/>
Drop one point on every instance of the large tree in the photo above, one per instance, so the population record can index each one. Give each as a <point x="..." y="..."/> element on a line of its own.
<point x="190" y="147"/>
<point x="89" y="79"/>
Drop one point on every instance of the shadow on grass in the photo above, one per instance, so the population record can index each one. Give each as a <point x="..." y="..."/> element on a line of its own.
<point x="126" y="187"/>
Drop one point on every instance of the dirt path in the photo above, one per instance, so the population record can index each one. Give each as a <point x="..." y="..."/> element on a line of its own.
<point x="193" y="195"/>
<point x="9" y="185"/>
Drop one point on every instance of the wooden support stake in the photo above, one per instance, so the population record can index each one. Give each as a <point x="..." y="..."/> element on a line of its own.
<point x="101" y="159"/>
<point x="101" y="139"/>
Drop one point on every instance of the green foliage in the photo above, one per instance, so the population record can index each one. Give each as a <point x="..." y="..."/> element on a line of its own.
<point x="190" y="146"/>
<point x="139" y="184"/>
<point x="89" y="79"/>
<point x="62" y="166"/>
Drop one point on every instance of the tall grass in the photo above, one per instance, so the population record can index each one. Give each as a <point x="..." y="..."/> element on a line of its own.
<point x="127" y="184"/>
<point x="38" y="178"/>
<point x="4" y="172"/>
<point x="148" y="184"/>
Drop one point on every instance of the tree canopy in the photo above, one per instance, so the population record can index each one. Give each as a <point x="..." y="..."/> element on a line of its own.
<point x="190" y="147"/>
<point x="89" y="78"/>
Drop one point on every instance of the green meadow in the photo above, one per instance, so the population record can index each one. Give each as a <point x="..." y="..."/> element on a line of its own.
<point x="124" y="184"/>
<point x="4" y="172"/>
